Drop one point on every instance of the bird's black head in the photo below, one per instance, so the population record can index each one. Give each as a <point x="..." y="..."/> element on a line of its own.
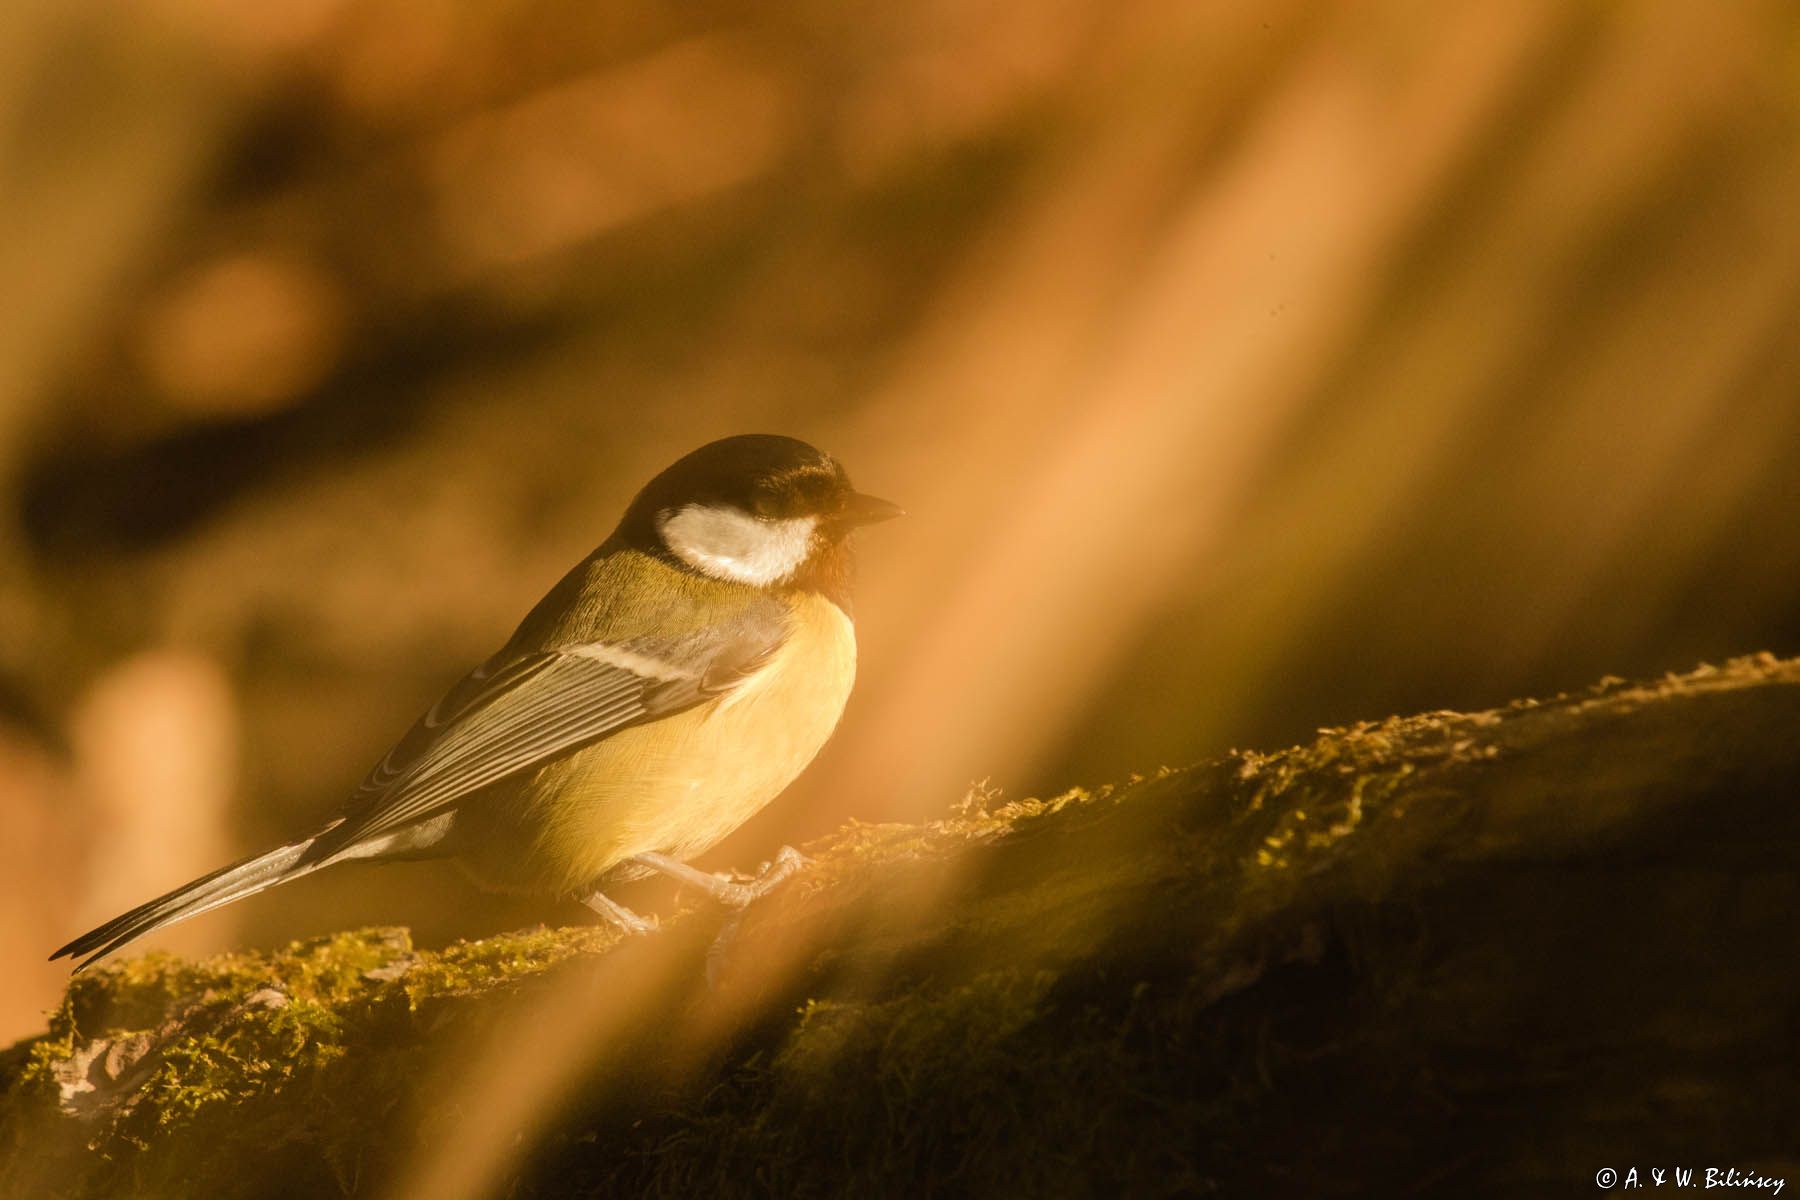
<point x="758" y="509"/>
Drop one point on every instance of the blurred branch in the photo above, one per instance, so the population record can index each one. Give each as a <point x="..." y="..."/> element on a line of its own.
<point x="1324" y="967"/>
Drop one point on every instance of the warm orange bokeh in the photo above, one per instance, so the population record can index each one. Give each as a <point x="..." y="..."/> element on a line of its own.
<point x="1244" y="368"/>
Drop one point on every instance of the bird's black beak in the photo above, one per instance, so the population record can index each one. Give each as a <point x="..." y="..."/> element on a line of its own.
<point x="868" y="510"/>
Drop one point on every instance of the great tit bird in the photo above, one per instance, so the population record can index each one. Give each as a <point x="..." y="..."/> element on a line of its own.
<point x="671" y="685"/>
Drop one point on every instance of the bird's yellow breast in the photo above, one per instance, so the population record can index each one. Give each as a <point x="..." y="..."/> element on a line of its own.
<point x="678" y="785"/>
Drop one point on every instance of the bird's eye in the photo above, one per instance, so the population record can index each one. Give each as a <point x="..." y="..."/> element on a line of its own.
<point x="765" y="504"/>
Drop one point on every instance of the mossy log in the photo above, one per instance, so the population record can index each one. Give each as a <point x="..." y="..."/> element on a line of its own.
<point x="1485" y="953"/>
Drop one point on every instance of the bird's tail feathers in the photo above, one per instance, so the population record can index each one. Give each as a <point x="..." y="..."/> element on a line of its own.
<point x="208" y="892"/>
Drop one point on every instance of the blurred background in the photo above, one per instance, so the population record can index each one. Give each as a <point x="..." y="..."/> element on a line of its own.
<point x="1245" y="369"/>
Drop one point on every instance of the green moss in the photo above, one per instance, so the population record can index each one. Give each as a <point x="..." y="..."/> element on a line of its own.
<point x="163" y="1062"/>
<point x="469" y="968"/>
<point x="767" y="1121"/>
<point x="1110" y="990"/>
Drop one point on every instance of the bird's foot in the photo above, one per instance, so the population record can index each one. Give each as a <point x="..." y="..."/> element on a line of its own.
<point x="620" y="917"/>
<point x="738" y="892"/>
<point x="771" y="876"/>
<point x="744" y="891"/>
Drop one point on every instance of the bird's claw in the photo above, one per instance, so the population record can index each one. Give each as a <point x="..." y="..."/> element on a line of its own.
<point x="741" y="892"/>
<point x="740" y="895"/>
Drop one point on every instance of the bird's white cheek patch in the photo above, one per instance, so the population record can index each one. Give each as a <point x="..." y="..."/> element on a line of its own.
<point x="728" y="543"/>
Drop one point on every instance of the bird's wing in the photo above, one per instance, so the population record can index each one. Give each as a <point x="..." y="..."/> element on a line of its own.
<point x="516" y="713"/>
